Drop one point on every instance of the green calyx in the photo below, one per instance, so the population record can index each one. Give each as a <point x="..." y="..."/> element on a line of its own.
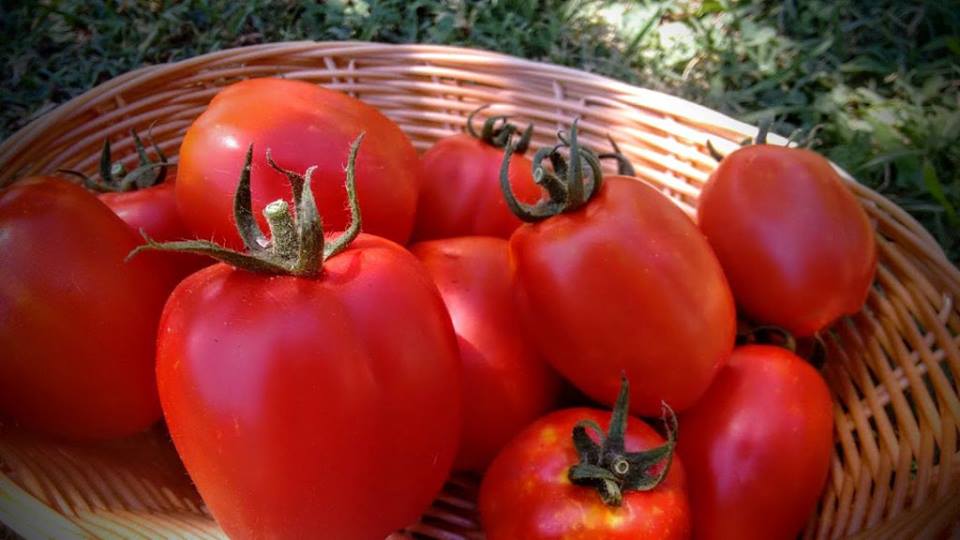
<point x="296" y="245"/>
<point x="566" y="185"/>
<point x="768" y="334"/>
<point x="761" y="138"/>
<point x="114" y="177"/>
<point x="498" y="132"/>
<point x="606" y="465"/>
<point x="624" y="167"/>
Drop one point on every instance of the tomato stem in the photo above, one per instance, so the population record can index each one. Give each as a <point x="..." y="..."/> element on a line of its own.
<point x="114" y="177"/>
<point x="763" y="131"/>
<point x="762" y="334"/>
<point x="247" y="225"/>
<point x="283" y="235"/>
<point x="310" y="238"/>
<point x="624" y="167"/>
<point x="296" y="245"/>
<point x="714" y="153"/>
<point x="606" y="465"/>
<point x="293" y="178"/>
<point x="565" y="184"/>
<point x="499" y="136"/>
<point x="574" y="176"/>
<point x="341" y="242"/>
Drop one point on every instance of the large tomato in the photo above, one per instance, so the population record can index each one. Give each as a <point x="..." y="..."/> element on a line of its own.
<point x="757" y="446"/>
<point x="625" y="283"/>
<point x="77" y="323"/>
<point x="461" y="195"/>
<point x="506" y="383"/>
<point x="528" y="492"/>
<point x="153" y="210"/>
<point x="302" y="125"/>
<point x="795" y="244"/>
<point x="322" y="404"/>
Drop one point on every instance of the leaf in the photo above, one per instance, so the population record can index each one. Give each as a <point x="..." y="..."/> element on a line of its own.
<point x="710" y="6"/>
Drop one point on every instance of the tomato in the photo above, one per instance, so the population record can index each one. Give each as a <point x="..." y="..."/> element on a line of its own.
<point x="302" y="125"/>
<point x="460" y="194"/>
<point x="311" y="401"/>
<point x="77" y="323"/>
<point x="758" y="444"/>
<point x="796" y="246"/>
<point x="625" y="283"/>
<point x="153" y="210"/>
<point x="611" y="277"/>
<point x="506" y="383"/>
<point x="528" y="493"/>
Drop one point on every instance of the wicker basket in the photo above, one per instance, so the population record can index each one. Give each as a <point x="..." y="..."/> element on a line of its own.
<point x="893" y="369"/>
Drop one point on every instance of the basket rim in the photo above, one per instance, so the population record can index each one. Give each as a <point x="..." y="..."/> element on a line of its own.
<point x="427" y="52"/>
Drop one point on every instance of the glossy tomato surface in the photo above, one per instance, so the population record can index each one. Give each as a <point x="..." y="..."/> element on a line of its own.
<point x="313" y="408"/>
<point x="626" y="284"/>
<point x="153" y="210"/>
<point x="461" y="191"/>
<point x="303" y="125"/>
<point x="506" y="385"/>
<point x="757" y="446"/>
<point x="795" y="244"/>
<point x="526" y="492"/>
<point x="77" y="323"/>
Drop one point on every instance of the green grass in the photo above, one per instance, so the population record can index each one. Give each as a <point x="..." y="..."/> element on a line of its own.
<point x="874" y="84"/>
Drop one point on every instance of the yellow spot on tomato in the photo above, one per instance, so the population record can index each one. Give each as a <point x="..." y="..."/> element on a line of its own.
<point x="548" y="435"/>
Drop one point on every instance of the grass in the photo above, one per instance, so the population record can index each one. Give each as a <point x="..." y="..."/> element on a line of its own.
<point x="873" y="84"/>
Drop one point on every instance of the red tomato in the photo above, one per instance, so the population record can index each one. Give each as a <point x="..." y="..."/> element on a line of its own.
<point x="627" y="284"/>
<point x="795" y="244"/>
<point x="506" y="383"/>
<point x="303" y="125"/>
<point x="77" y="323"/>
<point x="527" y="494"/>
<point x="313" y="407"/>
<point x="757" y="446"/>
<point x="153" y="210"/>
<point x="461" y="196"/>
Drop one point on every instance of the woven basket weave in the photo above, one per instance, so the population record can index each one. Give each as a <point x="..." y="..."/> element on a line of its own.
<point x="893" y="368"/>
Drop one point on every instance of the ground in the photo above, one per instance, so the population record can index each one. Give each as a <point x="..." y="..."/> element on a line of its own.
<point x="873" y="84"/>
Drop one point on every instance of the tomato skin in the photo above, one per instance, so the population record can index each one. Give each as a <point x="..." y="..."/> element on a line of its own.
<point x="303" y="125"/>
<point x="795" y="244"/>
<point x="526" y="493"/>
<point x="77" y="323"/>
<point x="625" y="284"/>
<point x="307" y="408"/>
<point x="154" y="211"/>
<point x="758" y="444"/>
<point x="506" y="385"/>
<point x="461" y="190"/>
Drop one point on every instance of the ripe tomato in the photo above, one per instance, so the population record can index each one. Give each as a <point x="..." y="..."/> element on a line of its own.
<point x="528" y="492"/>
<point x="302" y="125"/>
<point x="323" y="403"/>
<point x="795" y="244"/>
<point x="625" y="283"/>
<point x="757" y="446"/>
<point x="460" y="194"/>
<point x="153" y="210"/>
<point x="310" y="407"/>
<point x="506" y="383"/>
<point x="77" y="323"/>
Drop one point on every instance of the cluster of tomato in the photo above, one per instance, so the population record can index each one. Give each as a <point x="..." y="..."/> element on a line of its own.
<point x="324" y="384"/>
